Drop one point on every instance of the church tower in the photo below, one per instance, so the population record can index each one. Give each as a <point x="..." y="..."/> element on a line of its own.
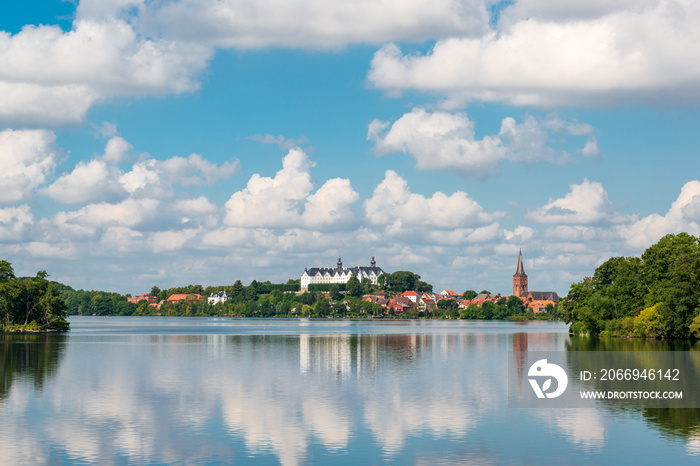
<point x="520" y="278"/>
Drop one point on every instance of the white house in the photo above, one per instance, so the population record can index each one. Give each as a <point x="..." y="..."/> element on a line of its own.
<point x="220" y="297"/>
<point x="339" y="274"/>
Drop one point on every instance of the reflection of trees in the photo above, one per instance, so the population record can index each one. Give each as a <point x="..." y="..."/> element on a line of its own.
<point x="670" y="422"/>
<point x="582" y="343"/>
<point x="34" y="356"/>
<point x="682" y="423"/>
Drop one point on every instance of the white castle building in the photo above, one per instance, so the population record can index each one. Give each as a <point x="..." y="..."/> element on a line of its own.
<point x="340" y="274"/>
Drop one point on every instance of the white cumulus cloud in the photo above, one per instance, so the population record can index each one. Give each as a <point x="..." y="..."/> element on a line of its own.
<point x="88" y="182"/>
<point x="128" y="213"/>
<point x="52" y="77"/>
<point x="27" y="157"/>
<point x="683" y="216"/>
<point x="446" y="141"/>
<point x="311" y="23"/>
<point x="101" y="179"/>
<point x="116" y="149"/>
<point x="394" y="205"/>
<point x="585" y="204"/>
<point x="14" y="222"/>
<point x="286" y="201"/>
<point x="594" y="55"/>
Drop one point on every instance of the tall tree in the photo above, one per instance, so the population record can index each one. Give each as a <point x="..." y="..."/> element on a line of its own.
<point x="353" y="286"/>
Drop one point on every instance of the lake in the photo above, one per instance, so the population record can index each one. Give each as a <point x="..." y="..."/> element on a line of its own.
<point x="158" y="390"/>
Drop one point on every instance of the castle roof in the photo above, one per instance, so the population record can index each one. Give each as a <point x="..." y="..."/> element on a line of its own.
<point x="332" y="271"/>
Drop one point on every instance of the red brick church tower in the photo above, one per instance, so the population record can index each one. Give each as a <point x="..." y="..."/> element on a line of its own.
<point x="520" y="278"/>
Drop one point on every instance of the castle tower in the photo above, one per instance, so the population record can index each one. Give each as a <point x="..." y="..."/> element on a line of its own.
<point x="373" y="263"/>
<point x="520" y="278"/>
<point x="340" y="265"/>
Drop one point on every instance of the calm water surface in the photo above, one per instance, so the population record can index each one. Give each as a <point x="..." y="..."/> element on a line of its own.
<point x="212" y="391"/>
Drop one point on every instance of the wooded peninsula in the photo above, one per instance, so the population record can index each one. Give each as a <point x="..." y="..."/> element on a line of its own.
<point x="656" y="295"/>
<point x="30" y="304"/>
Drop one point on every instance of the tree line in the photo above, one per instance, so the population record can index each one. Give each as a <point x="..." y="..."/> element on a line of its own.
<point x="656" y="295"/>
<point x="30" y="303"/>
<point x="265" y="299"/>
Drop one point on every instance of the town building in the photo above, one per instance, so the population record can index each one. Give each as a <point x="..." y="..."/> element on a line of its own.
<point x="412" y="295"/>
<point x="448" y="294"/>
<point x="379" y="298"/>
<point x="184" y="297"/>
<point x="218" y="297"/>
<point x="339" y="274"/>
<point x="535" y="300"/>
<point x="400" y="304"/>
<point x="426" y="303"/>
<point x="143" y="297"/>
<point x="520" y="278"/>
<point x="481" y="298"/>
<point x="538" y="300"/>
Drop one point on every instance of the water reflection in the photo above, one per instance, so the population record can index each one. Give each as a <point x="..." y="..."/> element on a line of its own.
<point x="671" y="424"/>
<point x="425" y="395"/>
<point x="32" y="356"/>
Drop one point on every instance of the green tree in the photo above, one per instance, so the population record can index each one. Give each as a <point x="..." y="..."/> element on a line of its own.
<point x="423" y="287"/>
<point x="694" y="327"/>
<point x="515" y="305"/>
<point x="335" y="292"/>
<point x="6" y="272"/>
<point x="446" y="304"/>
<point x="404" y="280"/>
<point x="353" y="287"/>
<point x="323" y="308"/>
<point x="649" y="322"/>
<point x="251" y="293"/>
<point x="237" y="292"/>
<point x="487" y="310"/>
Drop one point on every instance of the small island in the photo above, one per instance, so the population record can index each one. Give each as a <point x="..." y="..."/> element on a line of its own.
<point x="30" y="304"/>
<point x="652" y="296"/>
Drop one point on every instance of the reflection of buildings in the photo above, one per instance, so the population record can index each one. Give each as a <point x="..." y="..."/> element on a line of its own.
<point x="520" y="354"/>
<point x="344" y="354"/>
<point x="524" y="342"/>
<point x="363" y="355"/>
<point x="332" y="354"/>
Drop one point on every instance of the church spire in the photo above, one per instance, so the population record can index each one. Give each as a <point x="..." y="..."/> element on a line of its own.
<point x="520" y="278"/>
<point x="520" y="271"/>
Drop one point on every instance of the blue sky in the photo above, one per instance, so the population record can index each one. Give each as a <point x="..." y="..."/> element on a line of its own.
<point x="174" y="142"/>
